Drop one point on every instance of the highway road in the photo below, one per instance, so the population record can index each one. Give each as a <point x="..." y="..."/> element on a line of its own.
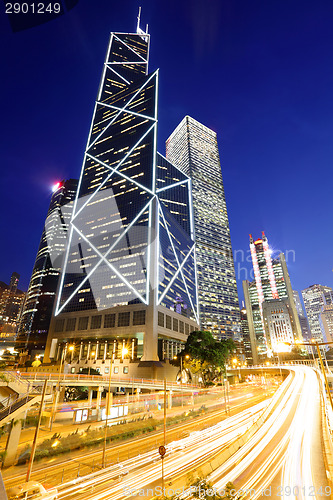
<point x="183" y="456"/>
<point x="63" y="468"/>
<point x="282" y="460"/>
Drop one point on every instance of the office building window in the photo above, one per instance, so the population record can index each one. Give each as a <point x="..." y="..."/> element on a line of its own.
<point x="109" y="321"/>
<point x="139" y="317"/>
<point x="168" y="322"/>
<point x="124" y="319"/>
<point x="96" y="322"/>
<point x="70" y="324"/>
<point x="83" y="323"/>
<point x="160" y="319"/>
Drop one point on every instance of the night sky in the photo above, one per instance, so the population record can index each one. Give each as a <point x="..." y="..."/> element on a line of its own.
<point x="259" y="73"/>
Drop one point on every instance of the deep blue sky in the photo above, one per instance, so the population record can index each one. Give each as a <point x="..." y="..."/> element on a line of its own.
<point x="258" y="72"/>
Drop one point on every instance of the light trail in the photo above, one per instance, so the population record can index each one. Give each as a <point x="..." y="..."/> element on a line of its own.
<point x="278" y="456"/>
<point x="282" y="448"/>
<point x="145" y="469"/>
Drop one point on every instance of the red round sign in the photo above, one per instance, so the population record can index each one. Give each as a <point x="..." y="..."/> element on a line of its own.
<point x="162" y="451"/>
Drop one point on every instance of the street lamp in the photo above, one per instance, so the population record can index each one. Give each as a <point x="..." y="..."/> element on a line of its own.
<point x="124" y="352"/>
<point x="62" y="359"/>
<point x="181" y="373"/>
<point x="107" y="410"/>
<point x="235" y="362"/>
<point x="317" y="344"/>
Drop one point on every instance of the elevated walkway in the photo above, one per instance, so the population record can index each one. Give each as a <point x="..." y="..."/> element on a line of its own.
<point x="67" y="379"/>
<point x="15" y="408"/>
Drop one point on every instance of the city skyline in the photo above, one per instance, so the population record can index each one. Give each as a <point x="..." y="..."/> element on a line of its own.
<point x="290" y="151"/>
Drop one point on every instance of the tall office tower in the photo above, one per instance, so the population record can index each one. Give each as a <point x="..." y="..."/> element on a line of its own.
<point x="128" y="285"/>
<point x="37" y="311"/>
<point x="272" y="283"/>
<point x="193" y="148"/>
<point x="11" y="302"/>
<point x="315" y="297"/>
<point x="248" y="345"/>
<point x="14" y="282"/>
<point x="302" y="317"/>
<point x="326" y="323"/>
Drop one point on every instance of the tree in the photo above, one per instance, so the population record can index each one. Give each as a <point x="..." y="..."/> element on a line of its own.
<point x="208" y="356"/>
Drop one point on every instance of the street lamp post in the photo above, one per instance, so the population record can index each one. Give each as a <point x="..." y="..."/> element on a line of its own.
<point x="181" y="374"/>
<point x="107" y="410"/>
<point x="63" y="356"/>
<point x="317" y="344"/>
<point x="34" y="443"/>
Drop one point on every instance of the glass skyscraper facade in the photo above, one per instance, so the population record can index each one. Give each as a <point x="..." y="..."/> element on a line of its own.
<point x="302" y="317"/>
<point x="193" y="148"/>
<point x="38" y="307"/>
<point x="129" y="270"/>
<point x="315" y="297"/>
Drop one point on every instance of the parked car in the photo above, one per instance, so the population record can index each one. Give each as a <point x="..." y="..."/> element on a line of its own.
<point x="31" y="491"/>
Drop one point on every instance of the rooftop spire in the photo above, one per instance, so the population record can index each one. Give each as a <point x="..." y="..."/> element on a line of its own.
<point x="138" y="24"/>
<point x="138" y="29"/>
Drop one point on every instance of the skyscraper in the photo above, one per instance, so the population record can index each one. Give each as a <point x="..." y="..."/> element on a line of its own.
<point x="193" y="148"/>
<point x="315" y="297"/>
<point x="246" y="336"/>
<point x="302" y="316"/>
<point x="37" y="311"/>
<point x="128" y="283"/>
<point x="271" y="310"/>
<point x="11" y="302"/>
<point x="326" y="323"/>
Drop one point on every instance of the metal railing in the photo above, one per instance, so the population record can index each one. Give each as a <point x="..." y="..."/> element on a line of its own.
<point x="15" y="405"/>
<point x="116" y="380"/>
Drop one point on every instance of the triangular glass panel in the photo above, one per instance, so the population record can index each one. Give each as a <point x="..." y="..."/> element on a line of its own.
<point x="119" y="138"/>
<point x="180" y="239"/>
<point x="176" y="200"/>
<point x="166" y="173"/>
<point x="132" y="72"/>
<point x="168" y="265"/>
<point x="130" y="255"/>
<point x="110" y="211"/>
<point x="177" y="299"/>
<point x="94" y="175"/>
<point x="122" y="98"/>
<point x="188" y="272"/>
<point x="112" y="84"/>
<point x="144" y="102"/>
<point x="103" y="117"/>
<point x="80" y="261"/>
<point x="110" y="290"/>
<point x="136" y="42"/>
<point x="121" y="53"/>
